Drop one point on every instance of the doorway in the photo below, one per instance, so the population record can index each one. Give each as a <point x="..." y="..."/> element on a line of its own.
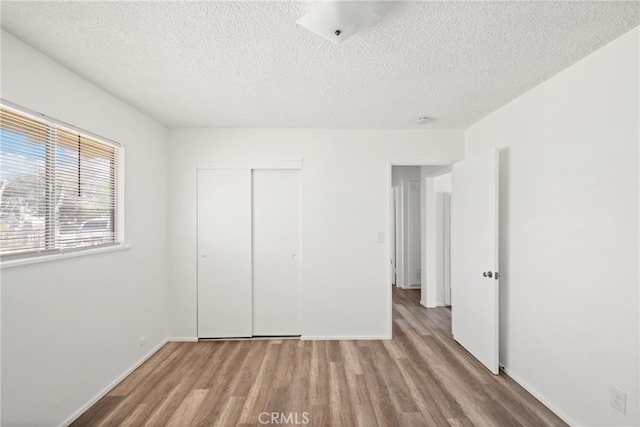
<point x="474" y="185"/>
<point x="418" y="218"/>
<point x="406" y="227"/>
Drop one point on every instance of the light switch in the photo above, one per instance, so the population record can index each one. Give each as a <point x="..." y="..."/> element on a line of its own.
<point x="381" y="237"/>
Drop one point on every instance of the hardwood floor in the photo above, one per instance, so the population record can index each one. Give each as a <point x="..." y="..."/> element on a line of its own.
<point x="420" y="378"/>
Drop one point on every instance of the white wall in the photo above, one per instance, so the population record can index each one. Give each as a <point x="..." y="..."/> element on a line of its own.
<point x="428" y="294"/>
<point x="414" y="235"/>
<point x="569" y="234"/>
<point x="442" y="185"/>
<point x="71" y="327"/>
<point x="345" y="200"/>
<point x="401" y="176"/>
<point x="431" y="253"/>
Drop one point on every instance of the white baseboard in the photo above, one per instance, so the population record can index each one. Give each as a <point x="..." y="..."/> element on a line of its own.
<point x="553" y="408"/>
<point x="302" y="338"/>
<point x="344" y="338"/>
<point x="110" y="387"/>
<point x="414" y="287"/>
<point x="426" y="306"/>
<point x="182" y="339"/>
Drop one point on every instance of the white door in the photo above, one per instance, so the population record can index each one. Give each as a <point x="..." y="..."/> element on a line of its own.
<point x="276" y="252"/>
<point x="224" y="253"/>
<point x="474" y="256"/>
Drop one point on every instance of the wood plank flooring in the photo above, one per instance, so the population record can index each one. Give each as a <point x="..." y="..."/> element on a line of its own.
<point x="420" y="378"/>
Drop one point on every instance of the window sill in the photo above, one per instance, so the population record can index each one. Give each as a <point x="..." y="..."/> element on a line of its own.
<point x="63" y="255"/>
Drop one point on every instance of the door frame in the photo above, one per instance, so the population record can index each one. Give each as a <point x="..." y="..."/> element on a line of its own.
<point x="446" y="243"/>
<point x="394" y="236"/>
<point x="440" y="166"/>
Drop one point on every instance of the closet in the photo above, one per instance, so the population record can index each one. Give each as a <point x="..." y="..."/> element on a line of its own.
<point x="248" y="249"/>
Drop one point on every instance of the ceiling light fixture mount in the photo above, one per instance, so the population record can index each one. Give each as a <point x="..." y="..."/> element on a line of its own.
<point x="423" y="120"/>
<point x="336" y="21"/>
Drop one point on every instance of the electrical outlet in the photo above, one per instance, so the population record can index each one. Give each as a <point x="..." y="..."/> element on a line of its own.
<point x="618" y="399"/>
<point x="142" y="338"/>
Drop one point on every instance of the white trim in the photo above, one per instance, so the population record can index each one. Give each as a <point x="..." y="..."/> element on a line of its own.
<point x="182" y="339"/>
<point x="535" y="393"/>
<point x="420" y="162"/>
<point x="446" y="246"/>
<point x="111" y="386"/>
<point x="401" y="226"/>
<point x="260" y="338"/>
<point x="120" y="200"/>
<point x="345" y="337"/>
<point x="423" y="235"/>
<point x="391" y="204"/>
<point x="301" y="311"/>
<point x="34" y="259"/>
<point x="250" y="164"/>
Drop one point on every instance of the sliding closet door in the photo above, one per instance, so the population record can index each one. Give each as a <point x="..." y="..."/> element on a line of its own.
<point x="276" y="252"/>
<point x="224" y="253"/>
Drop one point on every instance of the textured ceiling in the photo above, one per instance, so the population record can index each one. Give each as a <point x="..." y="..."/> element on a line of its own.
<point x="247" y="64"/>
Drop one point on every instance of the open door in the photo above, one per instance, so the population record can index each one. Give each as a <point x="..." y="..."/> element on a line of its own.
<point x="474" y="256"/>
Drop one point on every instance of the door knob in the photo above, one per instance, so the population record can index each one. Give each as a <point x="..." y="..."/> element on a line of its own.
<point x="487" y="274"/>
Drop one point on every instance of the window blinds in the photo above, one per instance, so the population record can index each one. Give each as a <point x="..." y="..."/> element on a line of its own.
<point x="58" y="187"/>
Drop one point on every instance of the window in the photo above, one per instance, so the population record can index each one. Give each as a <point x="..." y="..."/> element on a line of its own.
<point x="58" y="187"/>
